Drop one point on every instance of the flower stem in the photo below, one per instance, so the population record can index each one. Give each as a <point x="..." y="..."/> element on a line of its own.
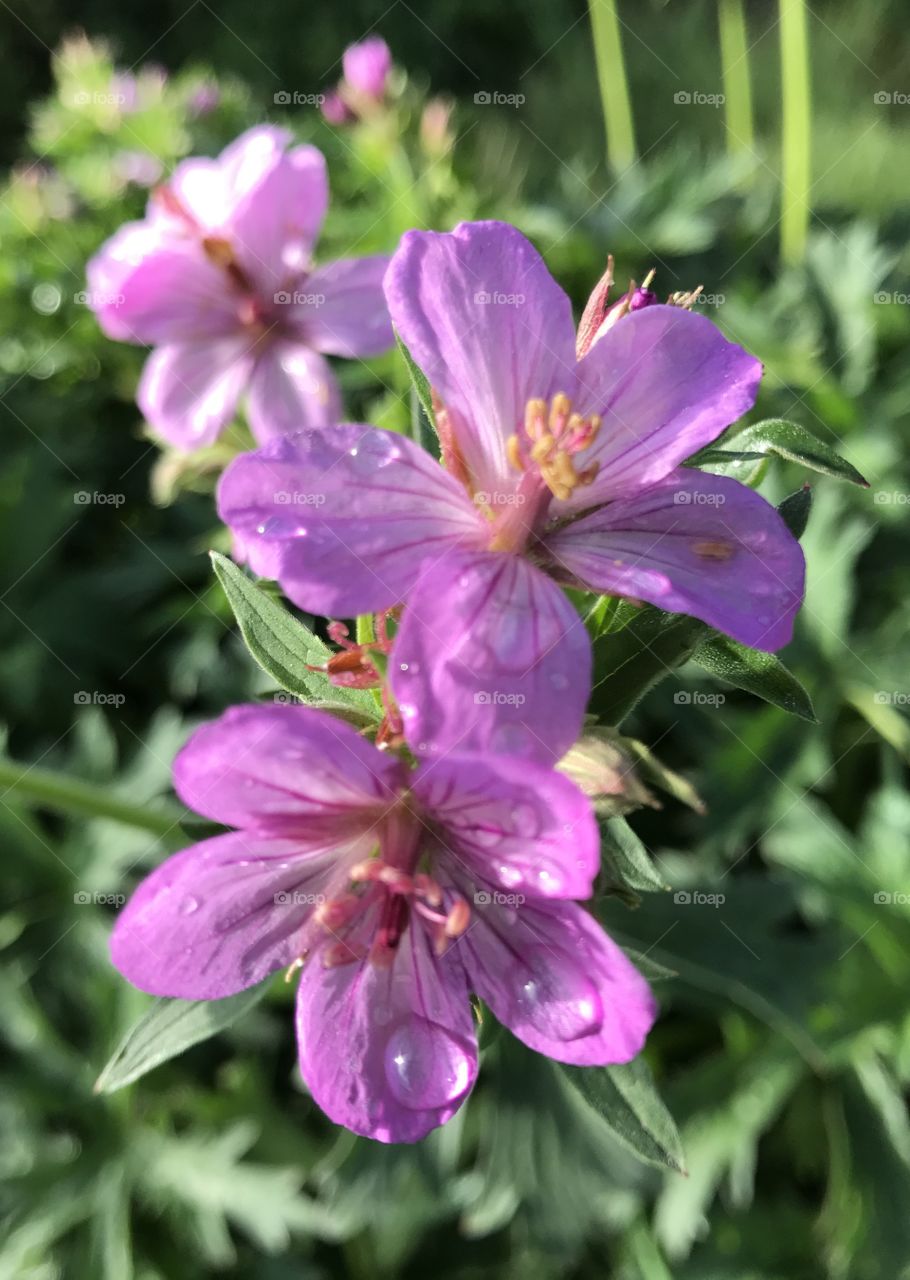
<point x="734" y="52"/>
<point x="795" y="139"/>
<point x="614" y="88"/>
<point x="75" y="798"/>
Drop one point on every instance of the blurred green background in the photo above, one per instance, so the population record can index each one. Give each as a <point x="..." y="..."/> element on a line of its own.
<point x="783" y="1050"/>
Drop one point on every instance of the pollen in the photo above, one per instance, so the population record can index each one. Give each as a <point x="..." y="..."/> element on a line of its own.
<point x="550" y="438"/>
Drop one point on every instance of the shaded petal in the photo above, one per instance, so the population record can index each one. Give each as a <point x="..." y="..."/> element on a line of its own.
<point x="189" y="390"/>
<point x="555" y="979"/>
<point x="389" y="1053"/>
<point x="345" y="517"/>
<point x="488" y="325"/>
<point x="350" y="316"/>
<point x="666" y="382"/>
<point x="292" y="389"/>
<point x="694" y="543"/>
<point x="512" y="822"/>
<point x="285" y="769"/>
<point x="148" y="287"/>
<point x="274" y="228"/>
<point x="491" y="655"/>
<point x="221" y="916"/>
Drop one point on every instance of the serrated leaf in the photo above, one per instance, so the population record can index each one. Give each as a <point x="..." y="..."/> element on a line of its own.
<point x="787" y="440"/>
<point x="166" y="1030"/>
<point x="626" y="860"/>
<point x="756" y="672"/>
<point x="418" y="380"/>
<point x="284" y="647"/>
<point x="626" y="1098"/>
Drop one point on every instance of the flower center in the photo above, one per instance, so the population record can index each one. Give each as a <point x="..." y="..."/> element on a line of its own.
<point x="369" y="919"/>
<point x="550" y="438"/>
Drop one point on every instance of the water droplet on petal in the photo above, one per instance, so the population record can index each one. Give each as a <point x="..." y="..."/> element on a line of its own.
<point x="525" y="821"/>
<point x="511" y="877"/>
<point x="559" y="681"/>
<point x="188" y="906"/>
<point x="402" y="666"/>
<point x="425" y="1065"/>
<point x="557" y="999"/>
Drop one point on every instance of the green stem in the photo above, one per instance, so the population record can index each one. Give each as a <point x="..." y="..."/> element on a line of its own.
<point x="796" y="135"/>
<point x="366" y="630"/>
<point x="75" y="798"/>
<point x="734" y="53"/>
<point x="614" y="87"/>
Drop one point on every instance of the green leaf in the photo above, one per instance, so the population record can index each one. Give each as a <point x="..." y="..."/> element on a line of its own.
<point x="170" y="1027"/>
<point x="629" y="662"/>
<point x="760" y="673"/>
<point x="626" y="860"/>
<point x="419" y="381"/>
<point x="794" y="510"/>
<point x="284" y="647"/>
<point x="787" y="440"/>
<point x="626" y="1098"/>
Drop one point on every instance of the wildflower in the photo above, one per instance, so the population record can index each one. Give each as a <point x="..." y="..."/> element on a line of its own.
<point x="396" y="893"/>
<point x="557" y="473"/>
<point x="219" y="278"/>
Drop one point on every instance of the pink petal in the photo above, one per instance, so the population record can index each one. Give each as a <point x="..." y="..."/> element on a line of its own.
<point x="212" y="192"/>
<point x="389" y="1053"/>
<point x="344" y="517"/>
<point x="555" y="979"/>
<point x="489" y="327"/>
<point x="275" y="226"/>
<point x="693" y="543"/>
<point x="666" y="382"/>
<point x="285" y="769"/>
<point x="189" y="390"/>
<point x="348" y="315"/>
<point x="491" y="655"/>
<point x="222" y="915"/>
<point x="148" y="288"/>
<point x="513" y="823"/>
<point x="292" y="389"/>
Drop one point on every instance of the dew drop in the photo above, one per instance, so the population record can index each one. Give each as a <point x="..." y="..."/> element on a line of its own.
<point x="188" y="906"/>
<point x="402" y="666"/>
<point x="525" y="820"/>
<point x="559" y="681"/>
<point x="556" y="998"/>
<point x="426" y="1066"/>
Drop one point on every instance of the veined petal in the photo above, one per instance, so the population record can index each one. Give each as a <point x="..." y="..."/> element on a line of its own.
<point x="344" y="517"/>
<point x="347" y="315"/>
<point x="693" y="543"/>
<point x="291" y="389"/>
<point x="189" y="390"/>
<point x="489" y="326"/>
<point x="491" y="656"/>
<point x="554" y="978"/>
<point x="513" y="823"/>
<point x="665" y="382"/>
<point x="224" y="914"/>
<point x="285" y="769"/>
<point x="389" y="1053"/>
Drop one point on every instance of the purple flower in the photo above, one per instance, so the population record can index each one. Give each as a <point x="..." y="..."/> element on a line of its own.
<point x="219" y="279"/>
<point x="367" y="66"/>
<point x="557" y="472"/>
<point x="399" y="892"/>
